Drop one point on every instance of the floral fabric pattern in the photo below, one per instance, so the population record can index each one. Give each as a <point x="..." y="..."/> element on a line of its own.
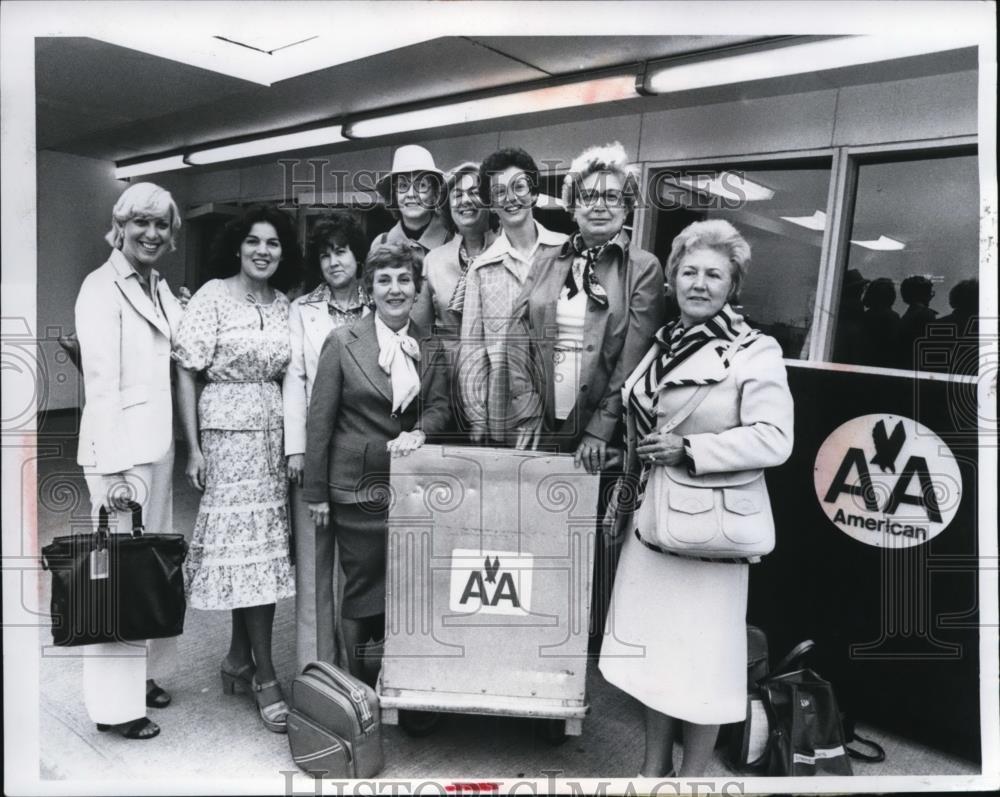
<point x="239" y="553"/>
<point x="235" y="342"/>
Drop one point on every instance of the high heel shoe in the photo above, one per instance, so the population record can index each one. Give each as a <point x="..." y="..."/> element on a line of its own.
<point x="271" y="705"/>
<point x="231" y="678"/>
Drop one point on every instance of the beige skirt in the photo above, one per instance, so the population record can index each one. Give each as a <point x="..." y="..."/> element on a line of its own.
<point x="675" y="637"/>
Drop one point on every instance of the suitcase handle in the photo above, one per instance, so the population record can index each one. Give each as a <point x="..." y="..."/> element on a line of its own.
<point x="357" y="696"/>
<point x="137" y="527"/>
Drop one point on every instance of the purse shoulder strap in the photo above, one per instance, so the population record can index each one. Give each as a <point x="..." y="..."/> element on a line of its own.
<point x="702" y="392"/>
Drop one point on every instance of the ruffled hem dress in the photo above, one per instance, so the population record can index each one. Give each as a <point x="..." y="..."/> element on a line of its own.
<point x="239" y="553"/>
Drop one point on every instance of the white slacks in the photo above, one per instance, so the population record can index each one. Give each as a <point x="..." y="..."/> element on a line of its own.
<point x="115" y="673"/>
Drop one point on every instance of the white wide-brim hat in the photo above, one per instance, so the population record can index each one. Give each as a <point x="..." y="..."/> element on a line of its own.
<point x="409" y="159"/>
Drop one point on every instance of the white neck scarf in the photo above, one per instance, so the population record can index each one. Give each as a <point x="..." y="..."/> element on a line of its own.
<point x="397" y="354"/>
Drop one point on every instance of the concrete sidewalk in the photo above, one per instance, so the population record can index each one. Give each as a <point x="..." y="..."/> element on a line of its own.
<point x="208" y="736"/>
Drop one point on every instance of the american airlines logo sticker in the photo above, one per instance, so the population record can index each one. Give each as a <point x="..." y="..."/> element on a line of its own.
<point x="887" y="481"/>
<point x="490" y="582"/>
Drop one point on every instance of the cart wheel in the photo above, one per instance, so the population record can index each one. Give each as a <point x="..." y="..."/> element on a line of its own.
<point x="552" y="731"/>
<point x="420" y="723"/>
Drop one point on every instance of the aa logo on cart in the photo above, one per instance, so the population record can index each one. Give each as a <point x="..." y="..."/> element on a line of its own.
<point x="490" y="582"/>
<point x="887" y="481"/>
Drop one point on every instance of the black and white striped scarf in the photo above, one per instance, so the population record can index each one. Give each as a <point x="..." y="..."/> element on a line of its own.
<point x="677" y="344"/>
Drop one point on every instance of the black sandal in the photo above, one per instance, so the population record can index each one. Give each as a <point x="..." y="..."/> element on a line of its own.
<point x="142" y="728"/>
<point x="157" y="697"/>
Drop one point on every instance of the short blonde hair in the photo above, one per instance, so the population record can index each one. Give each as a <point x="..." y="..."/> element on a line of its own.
<point x="715" y="234"/>
<point x="142" y="199"/>
<point x="606" y="158"/>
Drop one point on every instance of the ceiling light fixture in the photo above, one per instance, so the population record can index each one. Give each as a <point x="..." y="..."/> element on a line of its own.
<point x="317" y="137"/>
<point x="795" y="59"/>
<point x="727" y="185"/>
<point x="567" y="95"/>
<point x="154" y="166"/>
<point x="882" y="244"/>
<point x="817" y="221"/>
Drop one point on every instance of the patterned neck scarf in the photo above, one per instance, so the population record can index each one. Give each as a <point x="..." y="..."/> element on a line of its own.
<point x="582" y="272"/>
<point x="677" y="344"/>
<point x="457" y="301"/>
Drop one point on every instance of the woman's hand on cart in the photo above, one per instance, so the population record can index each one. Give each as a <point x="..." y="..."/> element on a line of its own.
<point x="661" y="449"/>
<point x="296" y="468"/>
<point x="528" y="434"/>
<point x="405" y="443"/>
<point x="593" y="453"/>
<point x="320" y="514"/>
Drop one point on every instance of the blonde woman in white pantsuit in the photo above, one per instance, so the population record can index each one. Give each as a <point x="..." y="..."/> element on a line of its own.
<point x="125" y="319"/>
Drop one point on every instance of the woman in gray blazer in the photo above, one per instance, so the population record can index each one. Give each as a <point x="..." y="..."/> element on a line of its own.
<point x="381" y="389"/>
<point x="126" y="317"/>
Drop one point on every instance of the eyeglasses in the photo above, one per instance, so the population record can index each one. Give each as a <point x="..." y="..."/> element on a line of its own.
<point x="422" y="184"/>
<point x="520" y="187"/>
<point x="461" y="195"/>
<point x="611" y="198"/>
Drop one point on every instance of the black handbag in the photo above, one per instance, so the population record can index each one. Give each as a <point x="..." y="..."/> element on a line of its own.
<point x="793" y="725"/>
<point x="116" y="587"/>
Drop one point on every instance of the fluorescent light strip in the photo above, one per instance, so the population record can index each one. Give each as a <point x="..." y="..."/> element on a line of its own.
<point x="882" y="244"/>
<point x="798" y="59"/>
<point x="266" y="146"/>
<point x="817" y="221"/>
<point x="569" y="95"/>
<point x="155" y="166"/>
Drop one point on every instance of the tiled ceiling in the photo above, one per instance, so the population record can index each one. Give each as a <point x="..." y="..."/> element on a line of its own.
<point x="104" y="101"/>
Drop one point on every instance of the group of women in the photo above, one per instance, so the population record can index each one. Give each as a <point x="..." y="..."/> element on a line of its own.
<point x="467" y="321"/>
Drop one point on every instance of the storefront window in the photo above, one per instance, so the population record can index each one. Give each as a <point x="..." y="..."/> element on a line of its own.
<point x="780" y="208"/>
<point x="909" y="293"/>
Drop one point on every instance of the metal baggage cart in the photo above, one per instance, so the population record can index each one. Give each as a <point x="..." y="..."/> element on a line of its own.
<point x="488" y="586"/>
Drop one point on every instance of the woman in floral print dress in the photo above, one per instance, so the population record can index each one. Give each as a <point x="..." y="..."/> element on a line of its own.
<point x="236" y="332"/>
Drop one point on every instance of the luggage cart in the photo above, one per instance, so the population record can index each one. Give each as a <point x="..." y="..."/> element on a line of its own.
<point x="489" y="567"/>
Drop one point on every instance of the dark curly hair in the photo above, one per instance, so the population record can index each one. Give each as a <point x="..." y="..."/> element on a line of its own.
<point x="497" y="161"/>
<point x="225" y="258"/>
<point x="334" y="229"/>
<point x="391" y="256"/>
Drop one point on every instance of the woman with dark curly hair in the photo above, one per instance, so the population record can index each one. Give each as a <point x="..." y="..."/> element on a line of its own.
<point x="235" y="331"/>
<point x="337" y="248"/>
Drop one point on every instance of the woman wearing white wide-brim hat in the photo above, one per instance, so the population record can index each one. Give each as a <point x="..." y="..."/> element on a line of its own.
<point x="413" y="192"/>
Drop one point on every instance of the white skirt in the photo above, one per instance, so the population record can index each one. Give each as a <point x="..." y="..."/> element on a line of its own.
<point x="675" y="637"/>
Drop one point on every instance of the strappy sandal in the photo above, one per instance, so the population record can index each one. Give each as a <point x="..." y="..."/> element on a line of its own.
<point x="157" y="697"/>
<point x="271" y="705"/>
<point x="142" y="728"/>
<point x="243" y="677"/>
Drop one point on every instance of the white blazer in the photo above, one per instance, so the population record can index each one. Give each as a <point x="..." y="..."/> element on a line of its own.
<point x="125" y="342"/>
<point x="309" y="322"/>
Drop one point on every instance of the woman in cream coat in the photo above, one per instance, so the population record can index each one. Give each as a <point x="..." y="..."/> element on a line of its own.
<point x="337" y="248"/>
<point x="676" y="630"/>
<point x="126" y="317"/>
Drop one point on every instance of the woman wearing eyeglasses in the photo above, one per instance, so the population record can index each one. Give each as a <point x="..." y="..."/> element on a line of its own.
<point x="580" y="327"/>
<point x="413" y="192"/>
<point x="508" y="184"/>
